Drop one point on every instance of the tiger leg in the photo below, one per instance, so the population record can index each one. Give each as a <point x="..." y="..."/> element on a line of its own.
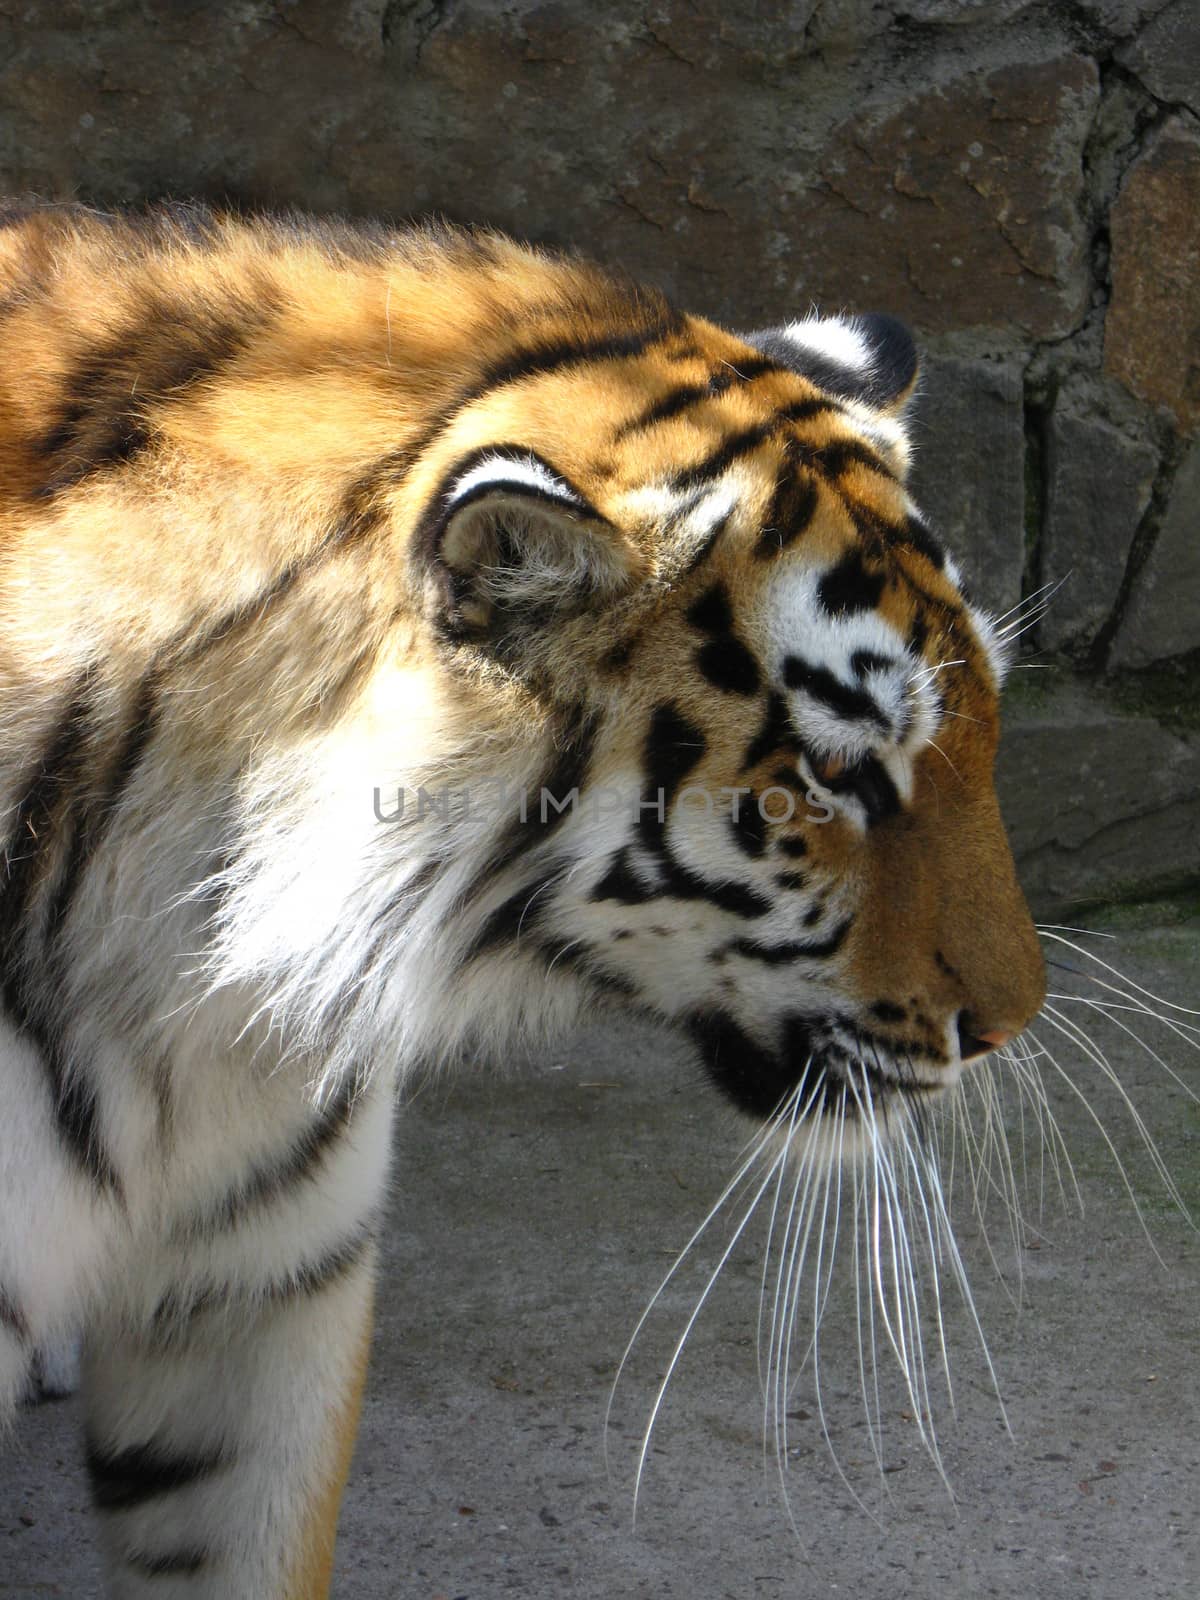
<point x="218" y="1447"/>
<point x="61" y="1218"/>
<point x="222" y="1381"/>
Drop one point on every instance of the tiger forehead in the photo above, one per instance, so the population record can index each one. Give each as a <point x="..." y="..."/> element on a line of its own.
<point x="618" y="418"/>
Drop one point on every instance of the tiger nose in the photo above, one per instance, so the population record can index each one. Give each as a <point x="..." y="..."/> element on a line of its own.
<point x="974" y="1042"/>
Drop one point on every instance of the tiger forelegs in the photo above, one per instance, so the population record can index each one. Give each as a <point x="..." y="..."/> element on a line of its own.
<point x="312" y="1570"/>
<point x="218" y="1449"/>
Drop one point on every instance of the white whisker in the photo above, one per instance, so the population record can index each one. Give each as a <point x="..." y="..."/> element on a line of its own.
<point x="995" y="1139"/>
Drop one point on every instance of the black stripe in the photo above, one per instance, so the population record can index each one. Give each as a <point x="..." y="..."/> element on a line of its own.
<point x="56" y="772"/>
<point x="514" y="916"/>
<point x="920" y="538"/>
<point x="579" y="961"/>
<point x="793" y="844"/>
<point x="233" y="621"/>
<point x="712" y="613"/>
<point x="314" y="1277"/>
<point x="677" y="882"/>
<point x="707" y="545"/>
<point x="681" y="399"/>
<point x="731" y="449"/>
<point x="850" y="585"/>
<point x="753" y="1077"/>
<point x="385" y="925"/>
<point x="749" y="827"/>
<point x="538" y="360"/>
<point x="835" y="457"/>
<point x="12" y="1317"/>
<point x="777" y="733"/>
<point x="870" y="782"/>
<point x="791" y="511"/>
<point x="567" y="771"/>
<point x="270" y="1184"/>
<point x="126" y="1479"/>
<point x="667" y="406"/>
<point x="99" y="811"/>
<point x="77" y="1115"/>
<point x="411" y="894"/>
<point x="360" y="512"/>
<point x="725" y="894"/>
<point x="621" y="883"/>
<point x="179" y="1564"/>
<point x="673" y="747"/>
<point x="821" y="684"/>
<point x="795" y="950"/>
<point x="728" y="665"/>
<point x="29" y="846"/>
<point x="889" y="1011"/>
<point x="747" y="440"/>
<point x="179" y="1309"/>
<point x="619" y="655"/>
<point x="864" y="661"/>
<point x="105" y="410"/>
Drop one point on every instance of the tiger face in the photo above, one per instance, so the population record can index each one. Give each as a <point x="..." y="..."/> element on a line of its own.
<point x="768" y="815"/>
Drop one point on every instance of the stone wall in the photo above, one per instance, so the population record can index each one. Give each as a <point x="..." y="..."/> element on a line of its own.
<point x="1020" y="180"/>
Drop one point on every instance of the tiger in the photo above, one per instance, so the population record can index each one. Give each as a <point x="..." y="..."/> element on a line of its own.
<point x="413" y="641"/>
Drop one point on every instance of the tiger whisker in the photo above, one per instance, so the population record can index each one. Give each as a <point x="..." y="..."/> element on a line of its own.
<point x="797" y="1232"/>
<point x="772" y="1224"/>
<point x="1055" y="931"/>
<point x="691" y="1322"/>
<point x="755" y="1147"/>
<point x="1036" y="596"/>
<point x="1097" y="1056"/>
<point x="820" y="1299"/>
<point x="996" y="1138"/>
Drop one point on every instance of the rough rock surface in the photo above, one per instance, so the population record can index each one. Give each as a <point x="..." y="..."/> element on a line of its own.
<point x="1098" y="486"/>
<point x="1166" y="55"/>
<point x="1162" y="618"/>
<point x="1152" y="337"/>
<point x="960" y="206"/>
<point x="969" y="471"/>
<point x="1098" y="803"/>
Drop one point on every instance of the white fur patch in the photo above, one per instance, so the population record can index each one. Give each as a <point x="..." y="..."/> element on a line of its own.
<point x="500" y="472"/>
<point x="836" y="339"/>
<point x="798" y="625"/>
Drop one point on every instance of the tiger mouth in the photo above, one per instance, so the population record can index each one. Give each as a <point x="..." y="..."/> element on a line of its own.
<point x="811" y="1070"/>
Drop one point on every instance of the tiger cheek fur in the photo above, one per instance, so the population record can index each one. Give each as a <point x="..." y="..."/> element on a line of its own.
<point x="667" y="697"/>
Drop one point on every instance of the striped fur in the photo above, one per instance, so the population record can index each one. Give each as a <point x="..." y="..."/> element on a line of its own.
<point x="408" y="642"/>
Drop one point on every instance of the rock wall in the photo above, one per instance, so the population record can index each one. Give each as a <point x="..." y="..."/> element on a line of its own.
<point x="1020" y="180"/>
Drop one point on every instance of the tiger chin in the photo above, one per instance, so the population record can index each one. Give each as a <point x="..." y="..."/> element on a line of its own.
<point x="410" y="641"/>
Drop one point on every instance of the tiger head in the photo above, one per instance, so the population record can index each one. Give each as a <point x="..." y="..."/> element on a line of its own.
<point x="687" y="619"/>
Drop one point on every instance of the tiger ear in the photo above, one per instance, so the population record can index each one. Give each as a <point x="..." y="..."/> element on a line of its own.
<point x="513" y="547"/>
<point x="871" y="359"/>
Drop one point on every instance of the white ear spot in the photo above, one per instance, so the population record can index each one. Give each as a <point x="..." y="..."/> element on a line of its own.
<point x="835" y="339"/>
<point x="520" y="472"/>
<point x="870" y="360"/>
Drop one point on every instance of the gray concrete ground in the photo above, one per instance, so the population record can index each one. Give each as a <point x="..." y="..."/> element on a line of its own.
<point x="533" y="1216"/>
